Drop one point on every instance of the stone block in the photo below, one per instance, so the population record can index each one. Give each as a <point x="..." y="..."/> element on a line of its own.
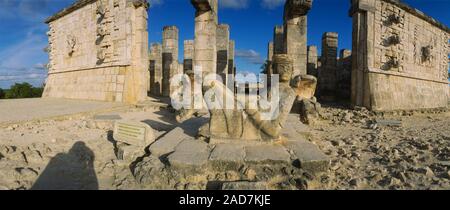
<point x="133" y="133"/>
<point x="168" y="142"/>
<point x="190" y="153"/>
<point x="129" y="153"/>
<point x="308" y="156"/>
<point x="228" y="153"/>
<point x="266" y="153"/>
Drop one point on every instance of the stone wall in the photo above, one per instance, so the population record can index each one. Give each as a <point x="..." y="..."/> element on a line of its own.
<point x="400" y="57"/>
<point x="98" y="50"/>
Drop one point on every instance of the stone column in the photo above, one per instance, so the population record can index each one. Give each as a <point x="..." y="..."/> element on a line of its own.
<point x="270" y="51"/>
<point x="223" y="44"/>
<point x="156" y="75"/>
<point x="363" y="15"/>
<point x="327" y="73"/>
<point x="231" y="49"/>
<point x="295" y="33"/>
<point x="343" y="74"/>
<point x="205" y="56"/>
<point x="169" y="57"/>
<point x="188" y="55"/>
<point x="278" y="40"/>
<point x="136" y="82"/>
<point x="268" y="68"/>
<point x="312" y="60"/>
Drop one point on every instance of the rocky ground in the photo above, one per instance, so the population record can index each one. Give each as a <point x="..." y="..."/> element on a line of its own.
<point x="367" y="151"/>
<point x="400" y="151"/>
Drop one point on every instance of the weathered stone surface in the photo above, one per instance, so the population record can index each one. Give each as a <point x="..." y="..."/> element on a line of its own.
<point x="266" y="153"/>
<point x="309" y="156"/>
<point x="391" y="66"/>
<point x="168" y="142"/>
<point x="106" y="62"/>
<point x="231" y="54"/>
<point x="133" y="133"/>
<point x="156" y="69"/>
<point x="295" y="33"/>
<point x="188" y="55"/>
<point x="327" y="73"/>
<point x="343" y="75"/>
<point x="228" y="152"/>
<point x="278" y="40"/>
<point x="129" y="153"/>
<point x="205" y="35"/>
<point x="313" y="64"/>
<point x="169" y="58"/>
<point x="228" y="123"/>
<point x="190" y="153"/>
<point x="305" y="86"/>
<point x="310" y="110"/>
<point x="223" y="44"/>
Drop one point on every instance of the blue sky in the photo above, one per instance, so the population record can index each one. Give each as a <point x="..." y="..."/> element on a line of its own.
<point x="23" y="32"/>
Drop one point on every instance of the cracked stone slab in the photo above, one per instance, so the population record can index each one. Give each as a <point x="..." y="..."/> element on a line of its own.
<point x="309" y="156"/>
<point x="228" y="152"/>
<point x="190" y="153"/>
<point x="267" y="152"/>
<point x="168" y="142"/>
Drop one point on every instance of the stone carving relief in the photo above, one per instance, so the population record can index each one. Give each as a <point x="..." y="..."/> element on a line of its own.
<point x="426" y="54"/>
<point x="445" y="55"/>
<point x="392" y="41"/>
<point x="71" y="43"/>
<point x="102" y="31"/>
<point x="101" y="9"/>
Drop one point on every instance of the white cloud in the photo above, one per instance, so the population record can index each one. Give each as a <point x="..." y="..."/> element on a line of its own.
<point x="250" y="56"/>
<point x="272" y="4"/>
<point x="23" y="61"/>
<point x="155" y="2"/>
<point x="29" y="10"/>
<point x="234" y="4"/>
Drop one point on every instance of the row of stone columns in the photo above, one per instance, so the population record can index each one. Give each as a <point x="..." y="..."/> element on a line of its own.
<point x="332" y="72"/>
<point x="212" y="50"/>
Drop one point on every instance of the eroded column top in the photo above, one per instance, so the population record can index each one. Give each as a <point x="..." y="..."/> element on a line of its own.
<point x="295" y="8"/>
<point x="204" y="5"/>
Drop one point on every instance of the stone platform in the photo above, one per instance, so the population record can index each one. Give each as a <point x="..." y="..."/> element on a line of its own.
<point x="178" y="160"/>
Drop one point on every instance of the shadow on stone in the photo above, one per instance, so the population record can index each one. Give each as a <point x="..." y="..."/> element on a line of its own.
<point x="69" y="171"/>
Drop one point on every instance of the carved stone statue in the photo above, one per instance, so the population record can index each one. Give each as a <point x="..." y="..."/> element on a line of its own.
<point x="243" y="121"/>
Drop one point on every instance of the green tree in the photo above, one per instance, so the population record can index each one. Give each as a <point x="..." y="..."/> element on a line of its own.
<point x="20" y="90"/>
<point x="2" y="93"/>
<point x="37" y="92"/>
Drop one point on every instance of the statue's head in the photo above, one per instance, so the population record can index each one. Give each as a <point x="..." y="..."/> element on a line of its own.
<point x="282" y="65"/>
